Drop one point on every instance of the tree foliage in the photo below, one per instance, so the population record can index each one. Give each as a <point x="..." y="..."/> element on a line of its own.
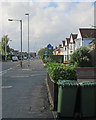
<point x="42" y="52"/>
<point x="81" y="57"/>
<point x="5" y="40"/>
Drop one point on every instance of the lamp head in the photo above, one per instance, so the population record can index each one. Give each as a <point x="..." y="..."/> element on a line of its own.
<point x="27" y="14"/>
<point x="10" y="19"/>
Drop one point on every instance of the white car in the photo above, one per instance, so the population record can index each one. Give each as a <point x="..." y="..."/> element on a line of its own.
<point x="25" y="58"/>
<point x="14" y="58"/>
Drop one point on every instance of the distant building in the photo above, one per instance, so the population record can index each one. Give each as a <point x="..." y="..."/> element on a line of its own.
<point x="66" y="50"/>
<point x="72" y="44"/>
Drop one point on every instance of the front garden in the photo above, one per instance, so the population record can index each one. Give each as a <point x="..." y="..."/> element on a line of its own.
<point x="71" y="97"/>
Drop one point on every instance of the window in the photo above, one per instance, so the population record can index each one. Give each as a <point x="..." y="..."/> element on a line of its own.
<point x="71" y="51"/>
<point x="70" y="46"/>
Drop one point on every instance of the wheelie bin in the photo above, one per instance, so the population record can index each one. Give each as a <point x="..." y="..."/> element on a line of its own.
<point x="67" y="91"/>
<point x="88" y="99"/>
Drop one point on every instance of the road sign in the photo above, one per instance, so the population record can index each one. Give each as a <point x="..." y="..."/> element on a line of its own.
<point x="49" y="46"/>
<point x="45" y="52"/>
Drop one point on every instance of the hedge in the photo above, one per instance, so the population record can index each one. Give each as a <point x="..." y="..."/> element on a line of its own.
<point x="58" y="71"/>
<point x="53" y="58"/>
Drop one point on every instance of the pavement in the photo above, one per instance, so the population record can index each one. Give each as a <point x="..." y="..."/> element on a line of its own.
<point x="24" y="91"/>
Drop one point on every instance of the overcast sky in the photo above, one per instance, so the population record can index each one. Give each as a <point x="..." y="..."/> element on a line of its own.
<point x="50" y="22"/>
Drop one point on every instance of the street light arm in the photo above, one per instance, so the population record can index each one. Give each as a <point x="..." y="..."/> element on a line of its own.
<point x="27" y="14"/>
<point x="14" y="20"/>
<point x="10" y="19"/>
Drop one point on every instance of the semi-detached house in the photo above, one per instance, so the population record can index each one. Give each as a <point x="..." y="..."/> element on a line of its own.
<point x="84" y="37"/>
<point x="72" y="44"/>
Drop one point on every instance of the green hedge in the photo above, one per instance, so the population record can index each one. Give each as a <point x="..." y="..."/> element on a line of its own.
<point x="53" y="58"/>
<point x="59" y="71"/>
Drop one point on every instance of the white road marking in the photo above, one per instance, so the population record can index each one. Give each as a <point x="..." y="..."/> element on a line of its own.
<point x="4" y="71"/>
<point x="6" y="87"/>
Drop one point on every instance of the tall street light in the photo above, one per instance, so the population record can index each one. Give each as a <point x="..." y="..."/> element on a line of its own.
<point x="21" y="36"/>
<point x="28" y="40"/>
<point x="5" y="49"/>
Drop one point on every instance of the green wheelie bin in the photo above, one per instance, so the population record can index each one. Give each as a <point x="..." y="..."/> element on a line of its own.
<point x="67" y="91"/>
<point x="88" y="99"/>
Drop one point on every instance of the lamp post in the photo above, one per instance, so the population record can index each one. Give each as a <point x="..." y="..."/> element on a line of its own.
<point x="21" y="36"/>
<point x="5" y="49"/>
<point x="28" y="40"/>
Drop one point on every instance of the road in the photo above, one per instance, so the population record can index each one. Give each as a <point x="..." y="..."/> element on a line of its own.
<point x="24" y="92"/>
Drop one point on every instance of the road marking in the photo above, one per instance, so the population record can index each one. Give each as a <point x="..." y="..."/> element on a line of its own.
<point x="6" y="87"/>
<point x="19" y="76"/>
<point x="37" y="75"/>
<point x="4" y="71"/>
<point x="26" y="69"/>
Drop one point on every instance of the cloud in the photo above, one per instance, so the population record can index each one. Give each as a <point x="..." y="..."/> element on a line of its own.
<point x="50" y="25"/>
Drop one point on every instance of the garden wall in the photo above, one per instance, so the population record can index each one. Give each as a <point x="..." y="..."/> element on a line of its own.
<point x="86" y="73"/>
<point x="53" y="89"/>
<point x="93" y="56"/>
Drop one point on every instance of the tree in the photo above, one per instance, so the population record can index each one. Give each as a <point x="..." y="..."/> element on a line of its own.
<point x="81" y="57"/>
<point x="4" y="41"/>
<point x="42" y="52"/>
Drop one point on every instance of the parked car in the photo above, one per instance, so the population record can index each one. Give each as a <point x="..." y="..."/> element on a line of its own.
<point x="25" y="58"/>
<point x="14" y="58"/>
<point x="31" y="58"/>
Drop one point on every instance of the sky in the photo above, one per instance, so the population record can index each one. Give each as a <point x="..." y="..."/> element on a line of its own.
<point x="49" y="22"/>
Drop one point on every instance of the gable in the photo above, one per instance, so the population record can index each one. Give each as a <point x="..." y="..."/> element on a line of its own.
<point x="79" y="35"/>
<point x="71" y="39"/>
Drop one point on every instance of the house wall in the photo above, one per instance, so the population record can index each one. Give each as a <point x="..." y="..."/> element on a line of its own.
<point x="71" y="48"/>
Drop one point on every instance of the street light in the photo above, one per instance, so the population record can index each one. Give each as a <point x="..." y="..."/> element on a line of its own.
<point x="28" y="40"/>
<point x="21" y="36"/>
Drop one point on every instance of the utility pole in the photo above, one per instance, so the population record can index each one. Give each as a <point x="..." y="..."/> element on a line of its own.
<point x="28" y="40"/>
<point x="21" y="42"/>
<point x="5" y="48"/>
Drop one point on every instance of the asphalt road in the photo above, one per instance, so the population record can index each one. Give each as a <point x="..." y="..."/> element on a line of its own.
<point x="24" y="92"/>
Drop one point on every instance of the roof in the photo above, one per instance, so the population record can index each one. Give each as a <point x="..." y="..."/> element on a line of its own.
<point x="88" y="32"/>
<point x="60" y="45"/>
<point x="68" y="40"/>
<point x="90" y="51"/>
<point x="74" y="36"/>
<point x="63" y="42"/>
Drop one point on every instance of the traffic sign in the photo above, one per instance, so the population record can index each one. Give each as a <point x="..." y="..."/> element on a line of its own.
<point x="45" y="52"/>
<point x="49" y="46"/>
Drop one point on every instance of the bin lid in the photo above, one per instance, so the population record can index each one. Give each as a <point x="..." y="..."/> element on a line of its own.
<point x="67" y="83"/>
<point x="88" y="83"/>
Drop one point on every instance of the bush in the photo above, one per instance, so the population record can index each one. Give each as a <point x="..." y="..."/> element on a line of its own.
<point x="81" y="57"/>
<point x="59" y="71"/>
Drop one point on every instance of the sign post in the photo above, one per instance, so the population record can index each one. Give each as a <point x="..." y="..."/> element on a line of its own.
<point x="49" y="47"/>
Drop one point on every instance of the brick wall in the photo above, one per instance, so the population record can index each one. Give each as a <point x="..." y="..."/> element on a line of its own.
<point x="93" y="56"/>
<point x="86" y="73"/>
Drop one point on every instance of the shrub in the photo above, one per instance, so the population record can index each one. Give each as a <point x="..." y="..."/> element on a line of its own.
<point x="81" y="57"/>
<point x="59" y="71"/>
